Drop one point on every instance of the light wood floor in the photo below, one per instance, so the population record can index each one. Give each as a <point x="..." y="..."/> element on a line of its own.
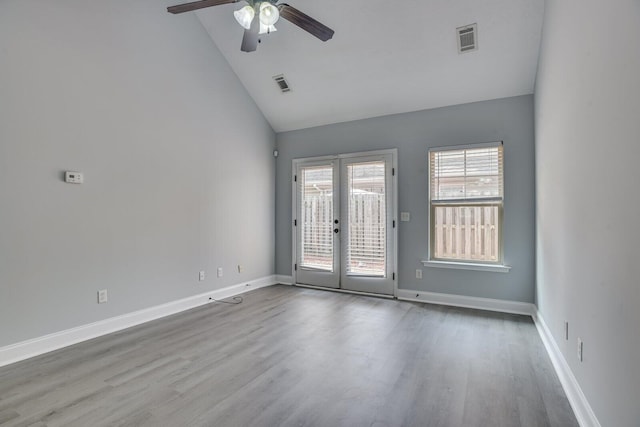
<point x="290" y="356"/>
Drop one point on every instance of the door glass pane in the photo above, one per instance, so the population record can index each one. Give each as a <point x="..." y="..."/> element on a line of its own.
<point x="316" y="218"/>
<point x="367" y="216"/>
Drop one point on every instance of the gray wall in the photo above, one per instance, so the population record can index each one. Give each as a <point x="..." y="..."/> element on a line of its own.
<point x="177" y="160"/>
<point x="510" y="120"/>
<point x="587" y="109"/>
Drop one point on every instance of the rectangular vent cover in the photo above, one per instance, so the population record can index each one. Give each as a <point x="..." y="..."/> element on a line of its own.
<point x="282" y="83"/>
<point x="467" y="38"/>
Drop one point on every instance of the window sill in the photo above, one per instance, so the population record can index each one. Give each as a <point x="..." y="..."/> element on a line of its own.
<point x="496" y="268"/>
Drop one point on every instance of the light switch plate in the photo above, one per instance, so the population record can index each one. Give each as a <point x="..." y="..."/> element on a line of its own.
<point x="405" y="216"/>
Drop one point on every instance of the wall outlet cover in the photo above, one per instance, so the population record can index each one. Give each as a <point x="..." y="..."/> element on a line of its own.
<point x="580" y="349"/>
<point x="102" y="296"/>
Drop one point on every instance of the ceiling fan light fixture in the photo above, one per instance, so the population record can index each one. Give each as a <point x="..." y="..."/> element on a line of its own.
<point x="245" y="16"/>
<point x="269" y="14"/>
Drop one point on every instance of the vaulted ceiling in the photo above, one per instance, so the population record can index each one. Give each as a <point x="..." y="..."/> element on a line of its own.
<point x="385" y="57"/>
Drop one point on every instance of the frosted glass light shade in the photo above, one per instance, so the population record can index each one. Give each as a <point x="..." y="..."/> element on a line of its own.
<point x="244" y="16"/>
<point x="266" y="29"/>
<point x="269" y="14"/>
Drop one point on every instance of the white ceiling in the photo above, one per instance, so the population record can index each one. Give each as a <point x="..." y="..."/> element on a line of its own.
<point x="385" y="57"/>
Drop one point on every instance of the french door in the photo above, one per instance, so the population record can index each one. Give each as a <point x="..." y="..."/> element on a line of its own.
<point x="344" y="222"/>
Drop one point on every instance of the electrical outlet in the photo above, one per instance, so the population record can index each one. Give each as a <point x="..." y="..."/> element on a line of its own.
<point x="102" y="296"/>
<point x="580" y="349"/>
<point x="566" y="331"/>
<point x="419" y="273"/>
<point x="219" y="271"/>
<point x="201" y="276"/>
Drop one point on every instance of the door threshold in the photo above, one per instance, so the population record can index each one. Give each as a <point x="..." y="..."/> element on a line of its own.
<point x="344" y="291"/>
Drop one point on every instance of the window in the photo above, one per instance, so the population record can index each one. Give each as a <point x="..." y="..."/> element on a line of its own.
<point x="466" y="203"/>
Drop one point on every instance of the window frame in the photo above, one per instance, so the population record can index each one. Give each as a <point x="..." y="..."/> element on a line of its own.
<point x="432" y="261"/>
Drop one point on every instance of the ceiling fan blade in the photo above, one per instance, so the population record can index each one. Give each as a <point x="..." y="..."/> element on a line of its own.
<point x="188" y="7"/>
<point x="305" y="22"/>
<point x="251" y="36"/>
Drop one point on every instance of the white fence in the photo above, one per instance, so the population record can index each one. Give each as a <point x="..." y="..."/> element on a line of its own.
<point x="466" y="232"/>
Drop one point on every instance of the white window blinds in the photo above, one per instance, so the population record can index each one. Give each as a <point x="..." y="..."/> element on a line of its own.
<point x="316" y="217"/>
<point x="466" y="174"/>
<point x="367" y="215"/>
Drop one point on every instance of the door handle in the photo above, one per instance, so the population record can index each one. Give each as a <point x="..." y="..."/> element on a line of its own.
<point x="335" y="230"/>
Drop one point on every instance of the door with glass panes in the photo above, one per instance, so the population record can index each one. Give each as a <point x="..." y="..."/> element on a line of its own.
<point x="344" y="222"/>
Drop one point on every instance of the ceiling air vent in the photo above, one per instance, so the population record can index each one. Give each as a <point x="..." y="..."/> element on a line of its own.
<point x="282" y="83"/>
<point x="467" y="38"/>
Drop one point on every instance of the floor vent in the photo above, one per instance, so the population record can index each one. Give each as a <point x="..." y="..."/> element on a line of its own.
<point x="282" y="83"/>
<point x="467" y="38"/>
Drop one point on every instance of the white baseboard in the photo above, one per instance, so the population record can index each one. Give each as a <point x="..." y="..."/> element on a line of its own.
<point x="503" y="306"/>
<point x="581" y="408"/>
<point x="37" y="346"/>
<point x="284" y="280"/>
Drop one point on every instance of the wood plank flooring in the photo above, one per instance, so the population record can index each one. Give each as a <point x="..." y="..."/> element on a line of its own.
<point x="290" y="356"/>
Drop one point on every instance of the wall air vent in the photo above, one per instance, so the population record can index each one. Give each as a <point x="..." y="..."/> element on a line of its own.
<point x="282" y="83"/>
<point x="467" y="38"/>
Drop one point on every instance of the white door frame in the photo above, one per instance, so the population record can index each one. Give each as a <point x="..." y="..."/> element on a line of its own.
<point x="393" y="211"/>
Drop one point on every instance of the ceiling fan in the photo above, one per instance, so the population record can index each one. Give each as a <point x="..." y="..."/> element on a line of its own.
<point x="268" y="14"/>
